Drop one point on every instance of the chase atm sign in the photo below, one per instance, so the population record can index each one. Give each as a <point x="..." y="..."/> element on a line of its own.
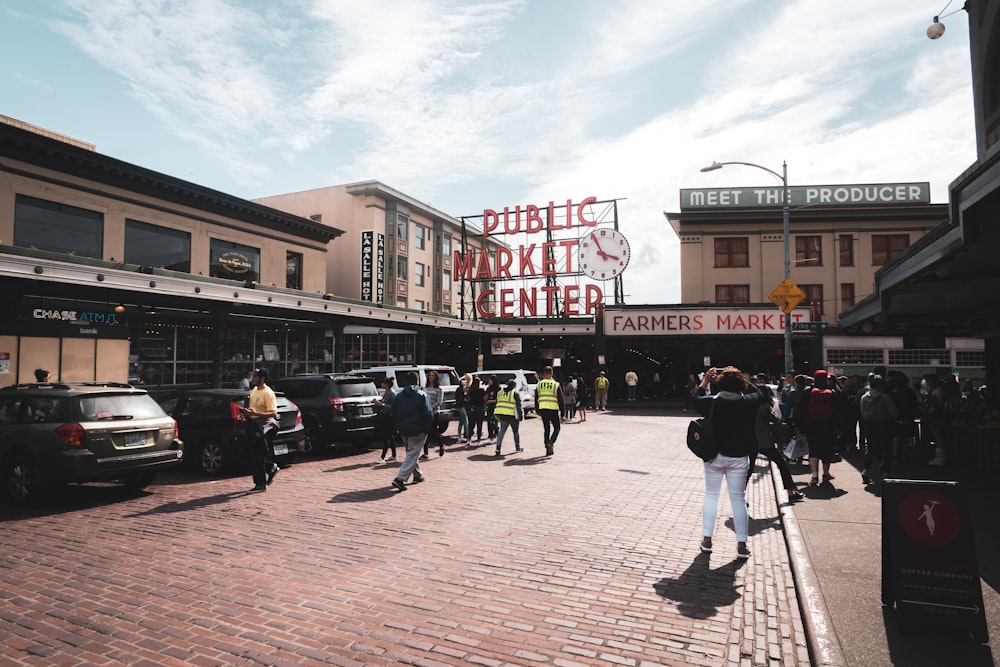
<point x="807" y="195"/>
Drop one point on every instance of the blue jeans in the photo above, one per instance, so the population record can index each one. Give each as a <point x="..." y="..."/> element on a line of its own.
<point x="464" y="431"/>
<point x="735" y="470"/>
<point x="411" y="464"/>
<point x="514" y="424"/>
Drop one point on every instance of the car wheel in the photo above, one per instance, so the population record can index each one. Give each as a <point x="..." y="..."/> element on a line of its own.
<point x="212" y="458"/>
<point x="442" y="427"/>
<point x="139" y="480"/>
<point x="313" y="440"/>
<point x="20" y="481"/>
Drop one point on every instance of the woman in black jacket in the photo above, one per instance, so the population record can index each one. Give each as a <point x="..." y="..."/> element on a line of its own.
<point x="736" y="405"/>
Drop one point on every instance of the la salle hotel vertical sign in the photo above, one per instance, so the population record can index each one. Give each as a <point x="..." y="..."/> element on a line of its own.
<point x="372" y="267"/>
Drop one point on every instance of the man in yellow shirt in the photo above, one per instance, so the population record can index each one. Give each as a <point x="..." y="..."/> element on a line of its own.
<point x="601" y="386"/>
<point x="262" y="426"/>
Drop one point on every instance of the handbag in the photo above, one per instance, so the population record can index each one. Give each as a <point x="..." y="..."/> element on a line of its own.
<point x="780" y="432"/>
<point x="701" y="437"/>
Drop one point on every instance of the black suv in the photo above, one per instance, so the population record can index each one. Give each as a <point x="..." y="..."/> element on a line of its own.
<point x="335" y="408"/>
<point x="212" y="423"/>
<point x="58" y="432"/>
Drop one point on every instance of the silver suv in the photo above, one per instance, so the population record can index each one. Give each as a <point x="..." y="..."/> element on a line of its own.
<point x="57" y="432"/>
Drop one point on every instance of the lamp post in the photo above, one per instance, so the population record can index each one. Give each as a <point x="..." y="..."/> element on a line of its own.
<point x="783" y="177"/>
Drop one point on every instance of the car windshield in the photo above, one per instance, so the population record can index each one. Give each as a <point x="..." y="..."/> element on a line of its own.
<point x="357" y="388"/>
<point x="119" y="406"/>
<point x="448" y="377"/>
<point x="531" y="378"/>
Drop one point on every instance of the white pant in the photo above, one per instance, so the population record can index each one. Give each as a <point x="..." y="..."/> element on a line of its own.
<point x="735" y="470"/>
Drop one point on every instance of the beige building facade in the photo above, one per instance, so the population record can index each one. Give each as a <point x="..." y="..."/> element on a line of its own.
<point x="732" y="245"/>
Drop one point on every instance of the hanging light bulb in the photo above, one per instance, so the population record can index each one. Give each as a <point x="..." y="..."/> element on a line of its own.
<point x="935" y="29"/>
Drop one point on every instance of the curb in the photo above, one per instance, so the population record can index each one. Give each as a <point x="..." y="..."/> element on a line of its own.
<point x="824" y="645"/>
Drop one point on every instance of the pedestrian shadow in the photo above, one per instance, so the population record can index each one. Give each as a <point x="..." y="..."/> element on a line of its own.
<point x="531" y="461"/>
<point x="700" y="591"/>
<point x="356" y="466"/>
<point x="756" y="526"/>
<point x="194" y="504"/>
<point x="364" y="495"/>
<point x="825" y="491"/>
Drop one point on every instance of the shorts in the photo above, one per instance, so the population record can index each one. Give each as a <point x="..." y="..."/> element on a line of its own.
<point x="821" y="445"/>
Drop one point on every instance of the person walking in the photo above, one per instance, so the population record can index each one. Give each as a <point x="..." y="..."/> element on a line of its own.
<point x="261" y="426"/>
<point x="632" y="382"/>
<point x="436" y="396"/>
<point x="384" y="420"/>
<point x="818" y="414"/>
<point x="461" y="400"/>
<point x="569" y="399"/>
<point x="492" y="387"/>
<point x="879" y="412"/>
<point x="476" y="406"/>
<point x="769" y="413"/>
<point x="413" y="418"/>
<point x="509" y="415"/>
<point x="548" y="399"/>
<point x="736" y="405"/>
<point x="601" y="386"/>
<point x="581" y="398"/>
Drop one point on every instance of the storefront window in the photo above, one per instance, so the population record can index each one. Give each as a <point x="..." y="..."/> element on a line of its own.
<point x="233" y="261"/>
<point x="46" y="225"/>
<point x="162" y="247"/>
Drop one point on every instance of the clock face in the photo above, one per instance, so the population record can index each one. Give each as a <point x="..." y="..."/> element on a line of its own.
<point x="604" y="254"/>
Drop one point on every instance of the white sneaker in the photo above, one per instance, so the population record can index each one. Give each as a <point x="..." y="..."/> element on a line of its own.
<point x="461" y="440"/>
<point x="379" y="460"/>
<point x="391" y="458"/>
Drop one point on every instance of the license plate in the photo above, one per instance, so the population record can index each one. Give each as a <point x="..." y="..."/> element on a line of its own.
<point x="280" y="450"/>
<point x="366" y="410"/>
<point x="135" y="439"/>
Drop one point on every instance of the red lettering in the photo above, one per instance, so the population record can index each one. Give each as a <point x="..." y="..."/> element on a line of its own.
<point x="507" y="226"/>
<point x="579" y="211"/>
<point x="529" y="302"/>
<point x="570" y="245"/>
<point x="699" y="324"/>
<point x="753" y="322"/>
<point x="484" y="296"/>
<point x="462" y="263"/>
<point x="550" y="301"/>
<point x="571" y="300"/>
<point x="548" y="259"/>
<point x="533" y="221"/>
<point x="504" y="259"/>
<point x="527" y="267"/>
<point x="490" y="221"/>
<point x="506" y="303"/>
<point x="483" y="270"/>
<point x="593" y="297"/>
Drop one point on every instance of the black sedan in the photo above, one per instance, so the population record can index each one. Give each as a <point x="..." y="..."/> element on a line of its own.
<point x="211" y="423"/>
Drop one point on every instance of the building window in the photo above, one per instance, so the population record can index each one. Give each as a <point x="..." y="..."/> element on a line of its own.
<point x="885" y="247"/>
<point x="446" y="281"/>
<point x="418" y="274"/>
<point x="402" y="227"/>
<point x="847" y="249"/>
<point x="732" y="294"/>
<point x="846" y="296"/>
<point x="316" y="217"/>
<point x="814" y="295"/>
<point x="233" y="261"/>
<point x="151" y="245"/>
<point x="419" y="305"/>
<point x="442" y="244"/>
<point x="401" y="272"/>
<point x="809" y="250"/>
<point x="732" y="252"/>
<point x="46" y="225"/>
<point x="420" y="235"/>
<point x="293" y="270"/>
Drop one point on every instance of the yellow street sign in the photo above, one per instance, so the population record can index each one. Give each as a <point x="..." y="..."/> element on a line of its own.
<point x="786" y="296"/>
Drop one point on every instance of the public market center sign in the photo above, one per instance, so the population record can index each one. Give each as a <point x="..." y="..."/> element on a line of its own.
<point x="807" y="195"/>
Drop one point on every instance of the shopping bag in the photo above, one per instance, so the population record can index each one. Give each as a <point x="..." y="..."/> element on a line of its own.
<point x="797" y="448"/>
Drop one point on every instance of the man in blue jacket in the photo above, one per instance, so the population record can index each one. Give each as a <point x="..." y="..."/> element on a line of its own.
<point x="413" y="418"/>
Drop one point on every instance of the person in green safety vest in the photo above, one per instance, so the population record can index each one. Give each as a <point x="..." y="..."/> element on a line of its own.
<point x="548" y="399"/>
<point x="509" y="415"/>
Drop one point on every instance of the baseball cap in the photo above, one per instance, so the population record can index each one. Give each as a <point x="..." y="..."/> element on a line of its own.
<point x="761" y="376"/>
<point x="819" y="374"/>
<point x="260" y="372"/>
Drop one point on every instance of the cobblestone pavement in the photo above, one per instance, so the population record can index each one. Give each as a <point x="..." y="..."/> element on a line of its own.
<point x="586" y="558"/>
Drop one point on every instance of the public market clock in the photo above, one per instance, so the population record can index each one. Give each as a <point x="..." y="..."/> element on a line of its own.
<point x="604" y="254"/>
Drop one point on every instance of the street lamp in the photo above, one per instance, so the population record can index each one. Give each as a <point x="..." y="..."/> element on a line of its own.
<point x="783" y="177"/>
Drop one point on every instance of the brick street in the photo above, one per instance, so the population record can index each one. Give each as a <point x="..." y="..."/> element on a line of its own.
<point x="586" y="558"/>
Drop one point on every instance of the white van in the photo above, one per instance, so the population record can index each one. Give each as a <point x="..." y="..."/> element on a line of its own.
<point x="526" y="381"/>
<point x="446" y="374"/>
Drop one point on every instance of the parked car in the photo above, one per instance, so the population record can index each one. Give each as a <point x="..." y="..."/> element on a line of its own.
<point x="212" y="424"/>
<point x="447" y="374"/>
<point x="59" y="432"/>
<point x="335" y="408"/>
<point x="526" y="381"/>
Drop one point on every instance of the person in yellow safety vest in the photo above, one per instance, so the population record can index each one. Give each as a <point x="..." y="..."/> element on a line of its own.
<point x="548" y="399"/>
<point x="508" y="414"/>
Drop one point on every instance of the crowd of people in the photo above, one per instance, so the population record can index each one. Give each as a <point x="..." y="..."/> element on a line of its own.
<point x="875" y="416"/>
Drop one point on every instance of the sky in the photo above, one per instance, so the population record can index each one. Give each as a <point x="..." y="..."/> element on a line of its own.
<point x="468" y="106"/>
